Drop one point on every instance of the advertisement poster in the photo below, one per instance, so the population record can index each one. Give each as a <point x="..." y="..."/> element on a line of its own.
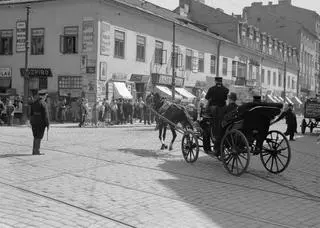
<point x="83" y="63"/>
<point x="105" y="38"/>
<point x="88" y="35"/>
<point x="21" y="36"/>
<point x="103" y="71"/>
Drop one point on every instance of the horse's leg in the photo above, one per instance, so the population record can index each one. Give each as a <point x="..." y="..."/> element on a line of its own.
<point x="174" y="136"/>
<point x="160" y="137"/>
<point x="164" y="136"/>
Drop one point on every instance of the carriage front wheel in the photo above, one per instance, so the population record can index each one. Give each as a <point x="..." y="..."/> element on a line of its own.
<point x="190" y="146"/>
<point x="276" y="152"/>
<point x="235" y="152"/>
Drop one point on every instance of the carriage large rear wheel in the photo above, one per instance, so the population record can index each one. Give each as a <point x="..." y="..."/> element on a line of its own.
<point x="190" y="146"/>
<point x="276" y="152"/>
<point x="235" y="152"/>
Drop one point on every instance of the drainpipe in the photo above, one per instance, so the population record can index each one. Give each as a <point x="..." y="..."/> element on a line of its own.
<point x="173" y="61"/>
<point x="260" y="78"/>
<point x="218" y="58"/>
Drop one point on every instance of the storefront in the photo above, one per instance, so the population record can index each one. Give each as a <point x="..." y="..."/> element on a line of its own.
<point x="163" y="84"/>
<point x="118" y="87"/>
<point x="141" y="85"/>
<point x="38" y="78"/>
<point x="5" y="79"/>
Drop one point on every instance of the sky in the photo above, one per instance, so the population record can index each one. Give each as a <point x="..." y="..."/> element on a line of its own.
<point x="236" y="6"/>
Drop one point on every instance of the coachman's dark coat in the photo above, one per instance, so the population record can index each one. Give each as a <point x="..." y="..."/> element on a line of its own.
<point x="39" y="118"/>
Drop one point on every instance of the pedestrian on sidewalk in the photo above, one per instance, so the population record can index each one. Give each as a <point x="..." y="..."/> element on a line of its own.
<point x="10" y="112"/>
<point x="39" y="119"/>
<point x="83" y="112"/>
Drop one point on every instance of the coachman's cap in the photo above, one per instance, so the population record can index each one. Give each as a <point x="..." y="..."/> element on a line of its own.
<point x="257" y="98"/>
<point x="42" y="92"/>
<point x="218" y="79"/>
<point x="233" y="96"/>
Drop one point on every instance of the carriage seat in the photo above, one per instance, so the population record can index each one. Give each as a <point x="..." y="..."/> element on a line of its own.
<point x="269" y="110"/>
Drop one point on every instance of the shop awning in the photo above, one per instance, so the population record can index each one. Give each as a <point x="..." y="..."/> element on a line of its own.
<point x="298" y="100"/>
<point x="122" y="91"/>
<point x="276" y="99"/>
<point x="271" y="98"/>
<point x="280" y="98"/>
<point x="288" y="100"/>
<point x="167" y="92"/>
<point x="185" y="93"/>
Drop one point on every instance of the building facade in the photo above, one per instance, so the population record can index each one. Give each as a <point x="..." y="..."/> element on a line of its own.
<point x="302" y="32"/>
<point x="255" y="61"/>
<point x="102" y="42"/>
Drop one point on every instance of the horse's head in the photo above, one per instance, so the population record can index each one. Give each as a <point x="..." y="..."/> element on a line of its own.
<point x="157" y="102"/>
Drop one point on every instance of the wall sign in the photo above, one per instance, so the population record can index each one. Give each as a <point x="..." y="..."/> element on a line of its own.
<point x="167" y="80"/>
<point x="21" y="36"/>
<point x="5" y="72"/>
<point x="37" y="72"/>
<point x="88" y="35"/>
<point x="103" y="71"/>
<point x="105" y="38"/>
<point x="83" y="63"/>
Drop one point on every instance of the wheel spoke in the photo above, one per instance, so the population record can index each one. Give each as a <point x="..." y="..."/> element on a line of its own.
<point x="272" y="163"/>
<point x="240" y="162"/>
<point x="286" y="157"/>
<point x="228" y="159"/>
<point x="237" y="165"/>
<point x="283" y="165"/>
<point x="233" y="159"/>
<point x="268" y="159"/>
<point x="276" y="162"/>
<point x="244" y="157"/>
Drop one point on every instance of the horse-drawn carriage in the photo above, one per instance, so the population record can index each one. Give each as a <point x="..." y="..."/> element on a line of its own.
<point x="242" y="130"/>
<point x="312" y="113"/>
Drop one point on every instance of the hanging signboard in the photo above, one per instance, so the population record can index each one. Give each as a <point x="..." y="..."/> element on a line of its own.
<point x="21" y="36"/>
<point x="5" y="72"/>
<point x="88" y="35"/>
<point x="105" y="38"/>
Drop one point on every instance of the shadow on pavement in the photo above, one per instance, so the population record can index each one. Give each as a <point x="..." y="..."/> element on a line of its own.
<point x="145" y="153"/>
<point x="14" y="155"/>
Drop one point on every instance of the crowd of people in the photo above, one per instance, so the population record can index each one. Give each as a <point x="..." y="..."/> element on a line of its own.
<point x="10" y="110"/>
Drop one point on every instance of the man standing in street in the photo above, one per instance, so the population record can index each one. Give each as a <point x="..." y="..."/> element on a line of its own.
<point x="39" y="119"/>
<point x="83" y="112"/>
<point x="216" y="96"/>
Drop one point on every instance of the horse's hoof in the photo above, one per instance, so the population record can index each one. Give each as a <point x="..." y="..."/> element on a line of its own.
<point x="162" y="147"/>
<point x="170" y="148"/>
<point x="165" y="147"/>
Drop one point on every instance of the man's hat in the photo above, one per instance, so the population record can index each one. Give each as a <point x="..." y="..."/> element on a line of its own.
<point x="233" y="96"/>
<point x="256" y="98"/>
<point x="218" y="79"/>
<point x="42" y="92"/>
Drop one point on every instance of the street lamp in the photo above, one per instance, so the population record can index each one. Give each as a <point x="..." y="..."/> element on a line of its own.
<point x="26" y="73"/>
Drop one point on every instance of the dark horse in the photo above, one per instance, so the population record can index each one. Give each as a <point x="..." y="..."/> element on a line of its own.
<point x="173" y="112"/>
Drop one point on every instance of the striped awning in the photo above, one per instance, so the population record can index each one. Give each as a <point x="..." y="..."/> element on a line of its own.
<point x="271" y="98"/>
<point x="298" y="100"/>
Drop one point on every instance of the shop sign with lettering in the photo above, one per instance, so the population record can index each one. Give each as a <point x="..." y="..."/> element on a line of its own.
<point x="105" y="38"/>
<point x="37" y="32"/>
<point x="5" y="72"/>
<point x="87" y="35"/>
<point x="167" y="80"/>
<point x="21" y="36"/>
<point x="37" y="72"/>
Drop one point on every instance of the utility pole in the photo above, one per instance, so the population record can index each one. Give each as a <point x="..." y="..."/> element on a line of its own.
<point x="260" y="78"/>
<point x="218" y="59"/>
<point x="284" y="81"/>
<point x="173" y="61"/>
<point x="26" y="74"/>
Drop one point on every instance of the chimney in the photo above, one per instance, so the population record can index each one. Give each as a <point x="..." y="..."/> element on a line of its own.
<point x="284" y="2"/>
<point x="220" y="10"/>
<point x="270" y="3"/>
<point x="256" y="4"/>
<point x="184" y="8"/>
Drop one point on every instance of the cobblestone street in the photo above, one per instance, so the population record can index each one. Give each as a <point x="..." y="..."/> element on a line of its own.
<point x="119" y="177"/>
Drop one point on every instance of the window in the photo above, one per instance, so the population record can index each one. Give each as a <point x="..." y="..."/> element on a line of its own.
<point x="280" y="80"/>
<point x="250" y="72"/>
<point x="37" y="41"/>
<point x="158" y="55"/>
<point x="141" y="48"/>
<point x="274" y="79"/>
<point x="38" y="83"/>
<point x="189" y="59"/>
<point x="269" y="77"/>
<point x="262" y="75"/>
<point x="288" y="83"/>
<point x="6" y="42"/>
<point x="177" y="57"/>
<point x="293" y="84"/>
<point x="224" y="66"/>
<point x="234" y="68"/>
<point x="242" y="70"/>
<point x="201" y="62"/>
<point x="43" y="83"/>
<point x="213" y="64"/>
<point x="69" y="40"/>
<point x="70" y="82"/>
<point x="119" y="44"/>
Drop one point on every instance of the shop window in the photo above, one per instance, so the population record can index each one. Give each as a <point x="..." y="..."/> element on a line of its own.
<point x="177" y="58"/>
<point x="242" y="70"/>
<point x="189" y="59"/>
<point x="160" y="55"/>
<point x="119" y="44"/>
<point x="213" y="64"/>
<point x="269" y="77"/>
<point x="38" y="83"/>
<point x="234" y="68"/>
<point x="201" y="62"/>
<point x="262" y="75"/>
<point x="280" y="80"/>
<point x="6" y="42"/>
<point x="141" y="48"/>
<point x="69" y="82"/>
<point x="43" y="83"/>
<point x="224" y="66"/>
<point x="274" y="79"/>
<point x="69" y="40"/>
<point x="37" y="41"/>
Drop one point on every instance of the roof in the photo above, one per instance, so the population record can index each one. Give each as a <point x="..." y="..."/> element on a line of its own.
<point x="7" y="2"/>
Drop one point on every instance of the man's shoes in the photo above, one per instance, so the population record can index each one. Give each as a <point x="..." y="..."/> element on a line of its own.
<point x="208" y="151"/>
<point x="292" y="140"/>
